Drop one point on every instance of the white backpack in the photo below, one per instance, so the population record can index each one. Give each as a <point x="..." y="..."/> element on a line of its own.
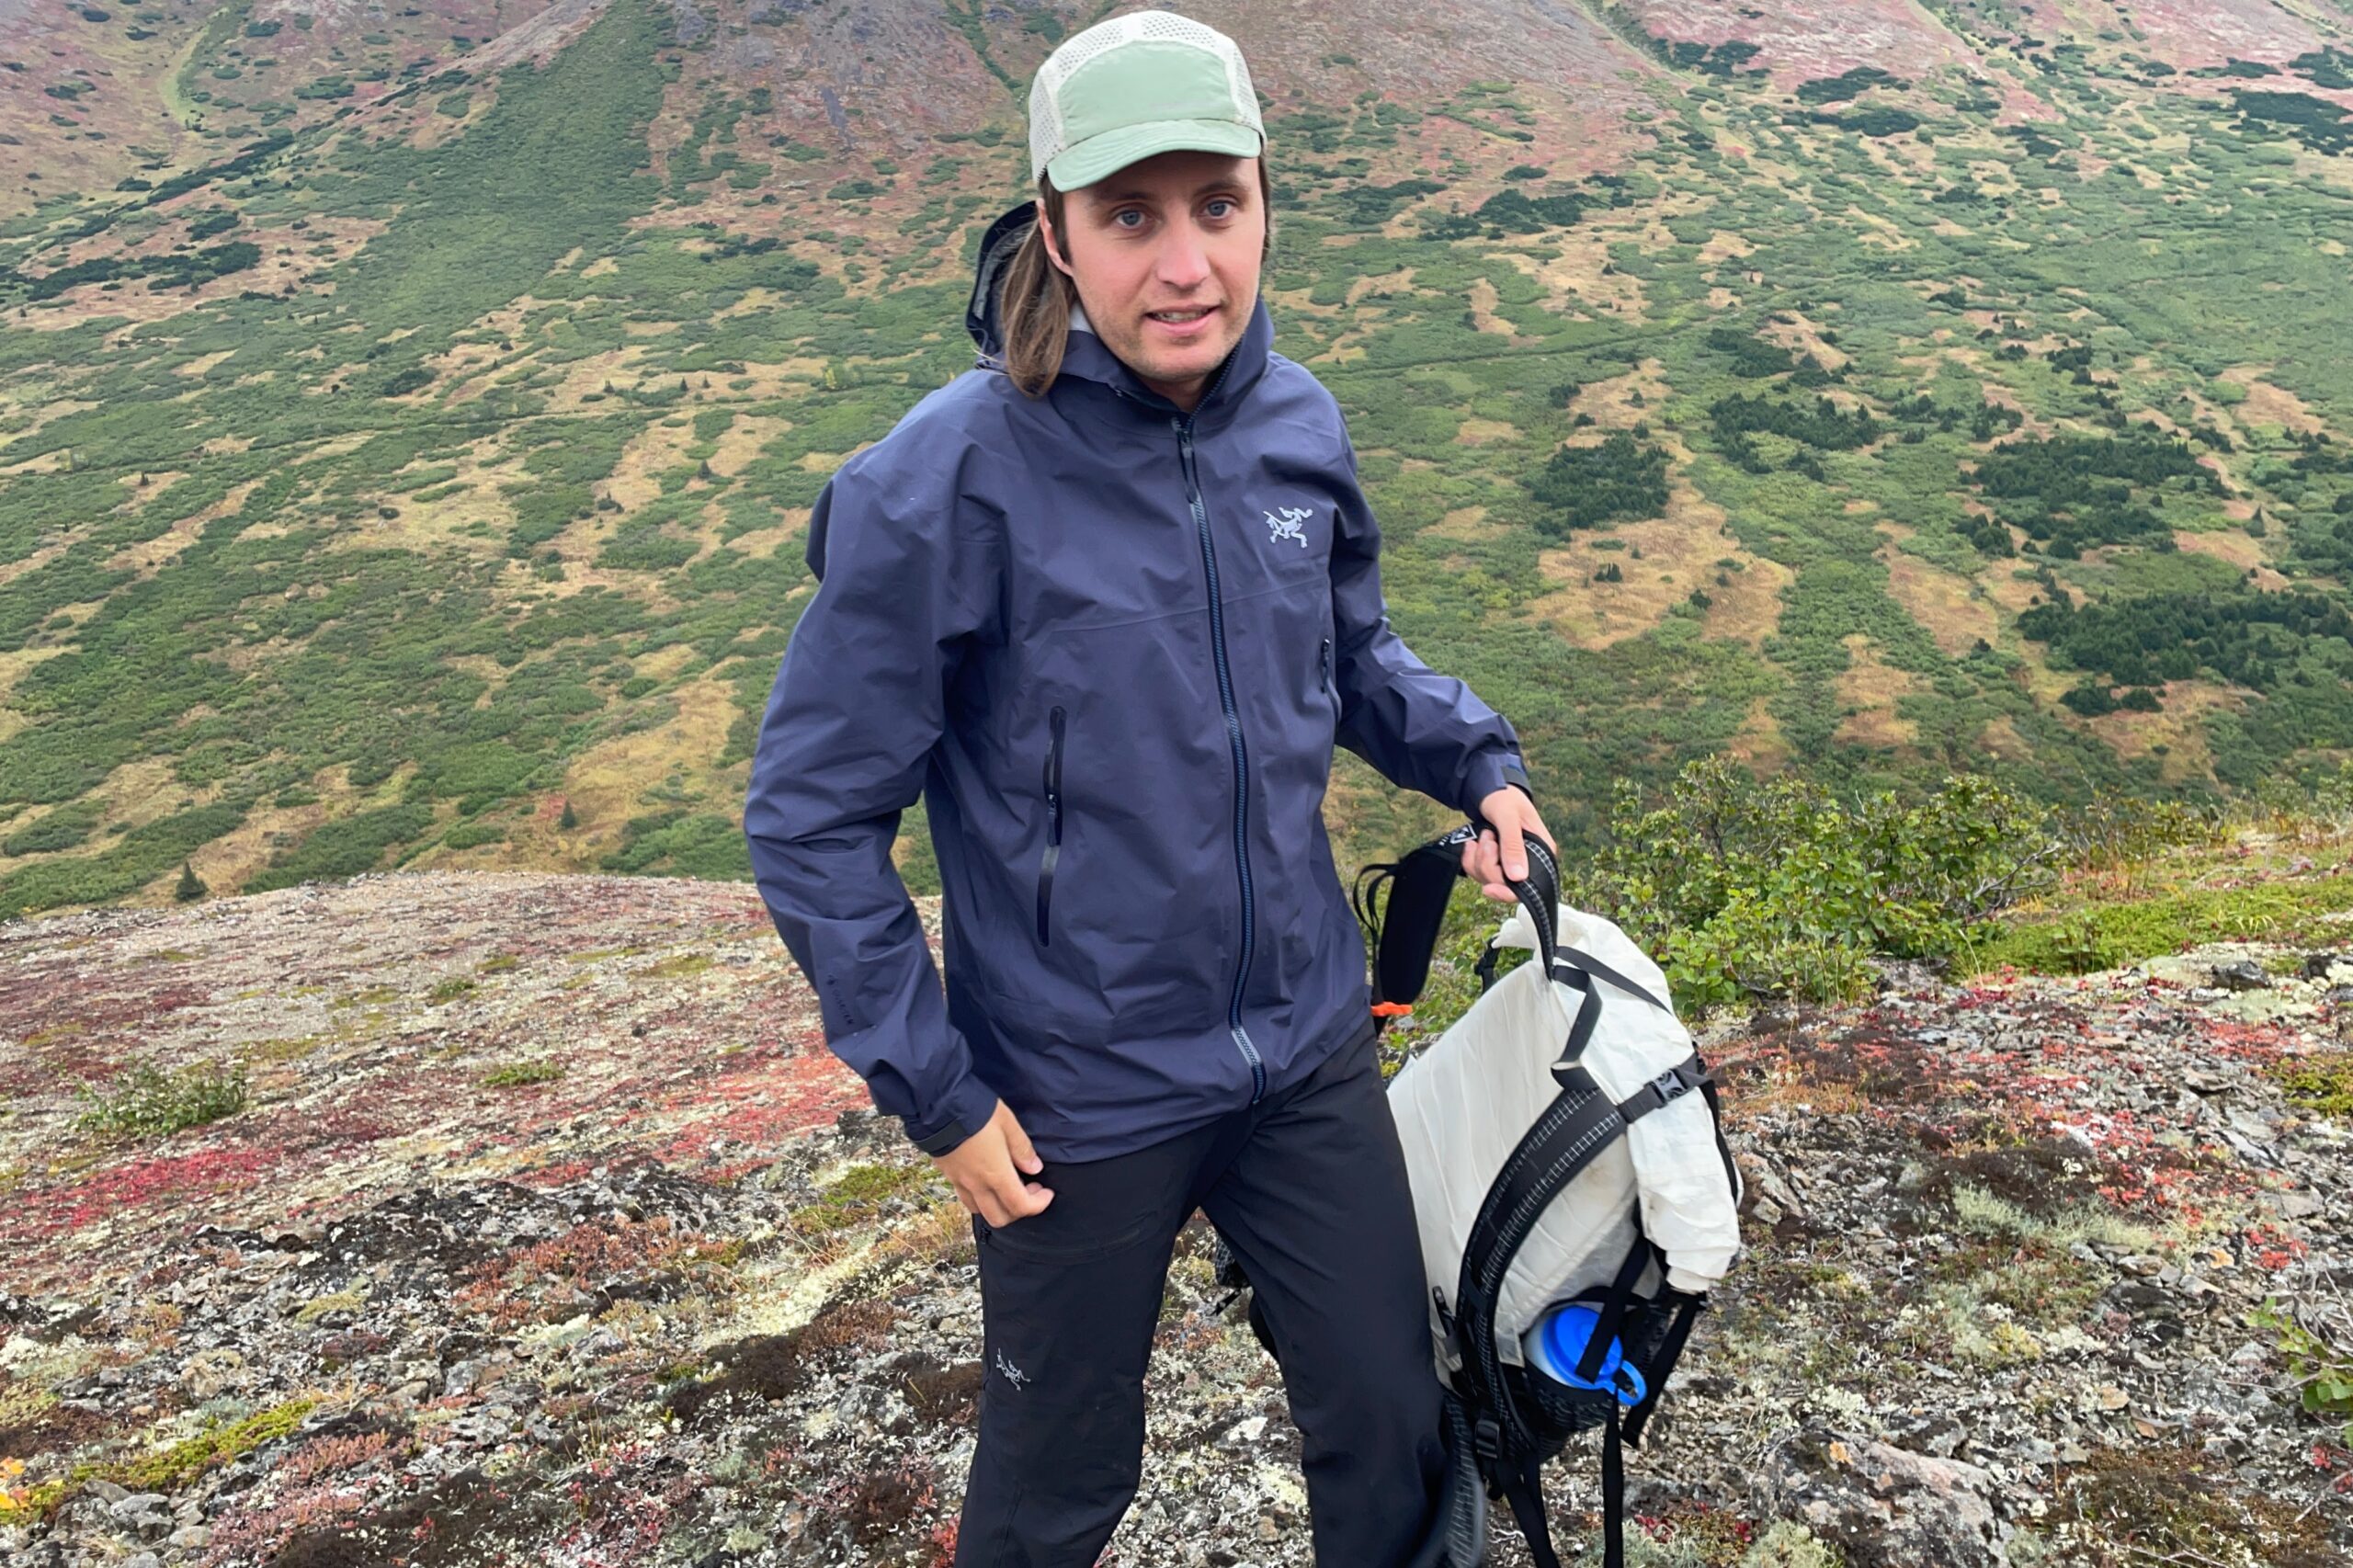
<point x="1557" y="1153"/>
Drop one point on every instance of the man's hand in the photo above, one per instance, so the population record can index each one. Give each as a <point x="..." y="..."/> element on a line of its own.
<point x="1497" y="853"/>
<point x="982" y="1169"/>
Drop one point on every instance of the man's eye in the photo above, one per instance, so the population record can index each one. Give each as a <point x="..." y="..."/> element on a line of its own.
<point x="1121" y="219"/>
<point x="1221" y="204"/>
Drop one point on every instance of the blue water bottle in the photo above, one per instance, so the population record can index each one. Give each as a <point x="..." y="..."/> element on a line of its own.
<point x="1556" y="1342"/>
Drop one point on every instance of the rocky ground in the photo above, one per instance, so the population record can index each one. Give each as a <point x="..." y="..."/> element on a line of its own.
<point x="548" y="1231"/>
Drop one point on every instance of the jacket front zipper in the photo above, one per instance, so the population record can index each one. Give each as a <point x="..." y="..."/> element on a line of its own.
<point x="1183" y="424"/>
<point x="1054" y="824"/>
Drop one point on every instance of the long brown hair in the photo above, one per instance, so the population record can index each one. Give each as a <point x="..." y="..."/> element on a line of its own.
<point x="1037" y="295"/>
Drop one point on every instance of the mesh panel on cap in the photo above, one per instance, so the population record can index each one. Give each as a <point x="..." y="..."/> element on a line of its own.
<point x="1046" y="138"/>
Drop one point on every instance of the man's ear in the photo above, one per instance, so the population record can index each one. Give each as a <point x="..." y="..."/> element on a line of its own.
<point x="1053" y="244"/>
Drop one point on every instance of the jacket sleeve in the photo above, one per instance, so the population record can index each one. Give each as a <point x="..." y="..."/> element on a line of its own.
<point x="1422" y="730"/>
<point x="907" y="581"/>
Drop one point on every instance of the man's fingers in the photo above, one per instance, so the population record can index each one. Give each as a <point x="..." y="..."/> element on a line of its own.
<point x="1025" y="1158"/>
<point x="1005" y="1204"/>
<point x="1480" y="863"/>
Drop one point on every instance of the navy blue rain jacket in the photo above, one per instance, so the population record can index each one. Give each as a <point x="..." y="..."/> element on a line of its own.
<point x="1111" y="646"/>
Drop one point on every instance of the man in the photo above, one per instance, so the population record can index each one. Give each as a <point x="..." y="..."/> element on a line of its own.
<point x="1106" y="604"/>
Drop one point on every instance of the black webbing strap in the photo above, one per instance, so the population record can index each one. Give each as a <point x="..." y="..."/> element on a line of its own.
<point x="1672" y="1084"/>
<point x="1569" y="960"/>
<point x="1540" y="896"/>
<point x="1581" y="1027"/>
<point x="1524" y="1489"/>
<point x="1724" y="1150"/>
<point x="1613" y="1495"/>
<point x="1662" y="1365"/>
<point x="1613" y="1307"/>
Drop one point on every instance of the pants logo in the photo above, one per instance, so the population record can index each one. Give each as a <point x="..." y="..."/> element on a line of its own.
<point x="1012" y="1373"/>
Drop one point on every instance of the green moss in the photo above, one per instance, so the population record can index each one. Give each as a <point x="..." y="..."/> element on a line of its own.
<point x="522" y="1073"/>
<point x="2321" y="1083"/>
<point x="318" y="1307"/>
<point x="164" y="1469"/>
<point x="685" y="963"/>
<point x="858" y="1197"/>
<point x="186" y="1459"/>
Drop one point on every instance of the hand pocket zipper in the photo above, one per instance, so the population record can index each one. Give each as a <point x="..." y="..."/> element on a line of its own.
<point x="1053" y="787"/>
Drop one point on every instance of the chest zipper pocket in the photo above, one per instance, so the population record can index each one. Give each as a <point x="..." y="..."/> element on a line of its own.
<point x="1054" y="785"/>
<point x="1323" y="678"/>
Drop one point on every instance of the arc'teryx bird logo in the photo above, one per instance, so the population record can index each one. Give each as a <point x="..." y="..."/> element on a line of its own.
<point x="1013" y="1374"/>
<point x="1284" y="523"/>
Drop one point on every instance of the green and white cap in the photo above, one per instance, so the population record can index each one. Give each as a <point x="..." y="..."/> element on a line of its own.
<point x="1145" y="82"/>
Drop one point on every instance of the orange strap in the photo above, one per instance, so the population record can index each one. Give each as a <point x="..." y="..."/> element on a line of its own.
<point x="1391" y="1009"/>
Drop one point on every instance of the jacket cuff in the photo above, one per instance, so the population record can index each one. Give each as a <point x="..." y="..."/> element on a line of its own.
<point x="964" y="1111"/>
<point x="1490" y="771"/>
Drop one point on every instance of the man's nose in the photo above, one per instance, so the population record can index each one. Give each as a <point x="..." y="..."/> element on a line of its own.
<point x="1184" y="257"/>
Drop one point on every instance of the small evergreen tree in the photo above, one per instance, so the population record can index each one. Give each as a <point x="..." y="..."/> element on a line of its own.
<point x="568" y="820"/>
<point x="191" y="886"/>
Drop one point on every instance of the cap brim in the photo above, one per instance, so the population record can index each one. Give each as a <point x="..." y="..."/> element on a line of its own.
<point x="1096" y="156"/>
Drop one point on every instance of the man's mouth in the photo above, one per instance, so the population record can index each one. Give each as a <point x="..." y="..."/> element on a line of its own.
<point x="1180" y="318"/>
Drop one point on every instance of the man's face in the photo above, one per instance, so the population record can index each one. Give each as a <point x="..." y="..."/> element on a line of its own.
<point x="1166" y="256"/>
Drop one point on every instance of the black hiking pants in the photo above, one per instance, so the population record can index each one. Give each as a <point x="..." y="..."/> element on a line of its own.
<point x="1309" y="1188"/>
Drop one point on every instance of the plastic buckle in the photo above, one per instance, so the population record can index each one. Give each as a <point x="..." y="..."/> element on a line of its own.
<point x="1486" y="1437"/>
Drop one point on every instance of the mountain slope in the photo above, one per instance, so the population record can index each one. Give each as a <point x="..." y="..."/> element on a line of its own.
<point x="1877" y="390"/>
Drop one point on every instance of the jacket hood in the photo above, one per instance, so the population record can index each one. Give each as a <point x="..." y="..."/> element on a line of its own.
<point x="1088" y="357"/>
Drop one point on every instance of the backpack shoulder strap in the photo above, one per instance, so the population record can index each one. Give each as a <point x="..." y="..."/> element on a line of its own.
<point x="1402" y="930"/>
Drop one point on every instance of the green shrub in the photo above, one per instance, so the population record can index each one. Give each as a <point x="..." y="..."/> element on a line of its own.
<point x="2320" y="1359"/>
<point x="470" y="835"/>
<point x="344" y="848"/>
<point x="1743" y="889"/>
<point x="148" y="1103"/>
<point x="1586" y="486"/>
<point x="62" y="829"/>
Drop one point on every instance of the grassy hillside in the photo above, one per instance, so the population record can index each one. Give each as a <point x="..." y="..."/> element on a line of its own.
<point x="415" y="475"/>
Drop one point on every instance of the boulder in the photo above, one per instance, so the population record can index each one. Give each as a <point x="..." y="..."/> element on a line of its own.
<point x="1886" y="1506"/>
